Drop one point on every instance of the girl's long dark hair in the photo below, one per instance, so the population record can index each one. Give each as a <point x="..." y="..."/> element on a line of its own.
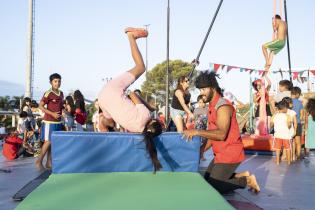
<point x="70" y="102"/>
<point x="180" y="80"/>
<point x="79" y="100"/>
<point x="26" y="99"/>
<point x="152" y="130"/>
<point x="310" y="107"/>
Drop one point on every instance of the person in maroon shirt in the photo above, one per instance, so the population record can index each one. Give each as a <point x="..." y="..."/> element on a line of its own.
<point x="224" y="136"/>
<point x="53" y="99"/>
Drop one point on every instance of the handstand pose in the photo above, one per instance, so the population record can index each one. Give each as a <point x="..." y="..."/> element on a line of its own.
<point x="278" y="40"/>
<point x="131" y="112"/>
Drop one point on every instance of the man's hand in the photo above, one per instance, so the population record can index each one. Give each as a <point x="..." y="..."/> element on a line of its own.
<point x="189" y="134"/>
<point x="195" y="62"/>
<point x="191" y="116"/>
<point x="55" y="115"/>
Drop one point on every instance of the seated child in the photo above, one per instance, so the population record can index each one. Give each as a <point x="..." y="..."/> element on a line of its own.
<point x="13" y="146"/>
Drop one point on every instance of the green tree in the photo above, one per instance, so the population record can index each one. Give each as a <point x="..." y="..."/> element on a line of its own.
<point x="90" y="108"/>
<point x="155" y="79"/>
<point x="4" y="102"/>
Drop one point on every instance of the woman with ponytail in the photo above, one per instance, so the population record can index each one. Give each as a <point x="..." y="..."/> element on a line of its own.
<point x="131" y="111"/>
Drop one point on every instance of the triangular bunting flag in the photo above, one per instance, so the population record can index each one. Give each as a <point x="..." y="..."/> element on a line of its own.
<point x="313" y="72"/>
<point x="295" y="75"/>
<point x="260" y="72"/>
<point x="251" y="71"/>
<point x="216" y="67"/>
<point x="241" y="69"/>
<point x="229" y="68"/>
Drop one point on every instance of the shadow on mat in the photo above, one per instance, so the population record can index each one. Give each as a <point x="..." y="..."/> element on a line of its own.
<point x="31" y="186"/>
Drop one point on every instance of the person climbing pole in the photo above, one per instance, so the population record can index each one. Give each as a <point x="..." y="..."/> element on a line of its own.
<point x="278" y="41"/>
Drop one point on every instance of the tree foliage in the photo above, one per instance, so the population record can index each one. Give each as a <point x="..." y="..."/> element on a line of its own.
<point x="155" y="83"/>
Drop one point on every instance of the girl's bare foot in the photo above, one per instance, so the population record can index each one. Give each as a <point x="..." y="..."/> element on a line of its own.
<point x="252" y="183"/>
<point x="137" y="32"/>
<point x="48" y="166"/>
<point x="39" y="165"/>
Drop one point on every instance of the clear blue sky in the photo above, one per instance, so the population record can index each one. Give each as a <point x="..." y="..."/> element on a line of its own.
<point x="84" y="40"/>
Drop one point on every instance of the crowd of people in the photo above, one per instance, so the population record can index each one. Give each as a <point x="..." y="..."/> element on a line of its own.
<point x="287" y="118"/>
<point x="213" y="119"/>
<point x="37" y="121"/>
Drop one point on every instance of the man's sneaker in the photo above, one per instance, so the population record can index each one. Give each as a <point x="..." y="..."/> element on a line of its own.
<point x="137" y="32"/>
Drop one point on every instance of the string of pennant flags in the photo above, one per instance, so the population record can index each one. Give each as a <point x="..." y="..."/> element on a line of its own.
<point x="299" y="75"/>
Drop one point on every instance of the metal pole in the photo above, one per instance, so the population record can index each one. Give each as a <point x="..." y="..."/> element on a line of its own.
<point x="29" y="67"/>
<point x="288" y="43"/>
<point x="167" y="64"/>
<point x="205" y="39"/>
<point x="146" y="49"/>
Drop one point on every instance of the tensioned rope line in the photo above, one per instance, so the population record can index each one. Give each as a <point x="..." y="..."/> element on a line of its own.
<point x="196" y="60"/>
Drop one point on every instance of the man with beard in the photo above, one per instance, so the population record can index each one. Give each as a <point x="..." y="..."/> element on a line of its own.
<point x="224" y="137"/>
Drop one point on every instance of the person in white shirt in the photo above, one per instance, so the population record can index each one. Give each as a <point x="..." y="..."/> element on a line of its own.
<point x="293" y="129"/>
<point x="21" y="127"/>
<point x="284" y="88"/>
<point x="282" y="123"/>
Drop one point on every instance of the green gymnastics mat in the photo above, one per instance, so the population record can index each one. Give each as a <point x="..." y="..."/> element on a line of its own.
<point x="125" y="191"/>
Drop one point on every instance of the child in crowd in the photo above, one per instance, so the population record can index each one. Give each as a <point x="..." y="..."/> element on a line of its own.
<point x="68" y="113"/>
<point x="161" y="119"/>
<point x="80" y="113"/>
<point x="95" y="117"/>
<point x="21" y="123"/>
<point x="282" y="123"/>
<point x="26" y="106"/>
<point x="200" y="114"/>
<point x="36" y="124"/>
<point x="310" y="127"/>
<point x="13" y="146"/>
<point x="298" y="108"/>
<point x="284" y="88"/>
<point x="201" y="121"/>
<point x="51" y="104"/>
<point x="293" y="126"/>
